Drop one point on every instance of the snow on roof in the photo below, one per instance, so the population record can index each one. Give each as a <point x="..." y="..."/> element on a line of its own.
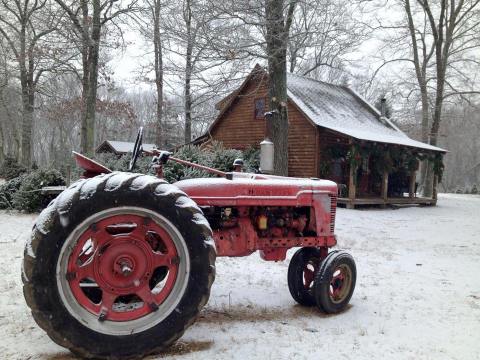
<point x="123" y="147"/>
<point x="340" y="109"/>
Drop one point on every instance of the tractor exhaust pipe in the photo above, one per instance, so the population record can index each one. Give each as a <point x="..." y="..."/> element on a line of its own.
<point x="266" y="156"/>
<point x="267" y="152"/>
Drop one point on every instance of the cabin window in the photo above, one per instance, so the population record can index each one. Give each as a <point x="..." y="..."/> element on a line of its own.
<point x="259" y="108"/>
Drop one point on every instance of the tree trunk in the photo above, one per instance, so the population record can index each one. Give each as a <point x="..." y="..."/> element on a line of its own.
<point x="442" y="47"/>
<point x="425" y="129"/>
<point x="85" y="77"/>
<point x="90" y="54"/>
<point x="277" y="36"/>
<point x="421" y="73"/>
<point x="2" y="145"/>
<point x="188" y="101"/>
<point x="26" y="81"/>
<point x="157" y="43"/>
<point x="188" y="74"/>
<point x="279" y="123"/>
<point x="27" y="125"/>
<point x="429" y="186"/>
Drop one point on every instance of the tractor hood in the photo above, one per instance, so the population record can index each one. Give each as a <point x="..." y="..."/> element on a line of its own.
<point x="244" y="188"/>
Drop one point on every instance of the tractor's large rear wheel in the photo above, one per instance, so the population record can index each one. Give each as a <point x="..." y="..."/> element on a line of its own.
<point x="118" y="266"/>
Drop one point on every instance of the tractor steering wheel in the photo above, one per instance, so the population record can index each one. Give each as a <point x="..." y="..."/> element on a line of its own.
<point x="137" y="149"/>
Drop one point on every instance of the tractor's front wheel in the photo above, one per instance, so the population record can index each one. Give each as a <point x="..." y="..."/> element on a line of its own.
<point x="118" y="266"/>
<point x="301" y="275"/>
<point x="335" y="282"/>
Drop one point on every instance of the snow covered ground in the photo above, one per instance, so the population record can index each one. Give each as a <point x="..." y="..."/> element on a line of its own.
<point x="417" y="295"/>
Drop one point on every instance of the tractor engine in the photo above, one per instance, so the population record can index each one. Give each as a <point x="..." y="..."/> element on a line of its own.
<point x="239" y="231"/>
<point x="268" y="222"/>
<point x="281" y="222"/>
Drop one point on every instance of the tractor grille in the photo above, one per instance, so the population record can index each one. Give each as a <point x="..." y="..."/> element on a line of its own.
<point x="333" y="211"/>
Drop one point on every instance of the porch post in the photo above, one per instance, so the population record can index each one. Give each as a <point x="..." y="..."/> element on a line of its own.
<point x="351" y="187"/>
<point x="434" y="194"/>
<point x="385" y="187"/>
<point x="411" y="188"/>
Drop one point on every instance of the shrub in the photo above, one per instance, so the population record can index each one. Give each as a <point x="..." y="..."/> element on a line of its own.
<point x="121" y="163"/>
<point x="11" y="169"/>
<point x="474" y="190"/>
<point x="29" y="196"/>
<point x="217" y="157"/>
<point x="8" y="190"/>
<point x="173" y="171"/>
<point x="223" y="159"/>
<point x="251" y="158"/>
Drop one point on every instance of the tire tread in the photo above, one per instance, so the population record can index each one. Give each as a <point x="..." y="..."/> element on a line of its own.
<point x="60" y="207"/>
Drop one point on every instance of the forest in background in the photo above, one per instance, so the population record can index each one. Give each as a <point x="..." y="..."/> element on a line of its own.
<point x="60" y="89"/>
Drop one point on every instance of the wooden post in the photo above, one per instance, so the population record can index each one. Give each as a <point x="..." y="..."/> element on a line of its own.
<point x="352" y="187"/>
<point x="434" y="194"/>
<point x="385" y="187"/>
<point x="411" y="189"/>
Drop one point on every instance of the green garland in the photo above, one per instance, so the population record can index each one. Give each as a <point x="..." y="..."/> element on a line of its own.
<point x="387" y="158"/>
<point x="330" y="153"/>
<point x="357" y="154"/>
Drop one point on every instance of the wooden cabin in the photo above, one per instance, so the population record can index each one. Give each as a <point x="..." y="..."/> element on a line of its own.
<point x="333" y="134"/>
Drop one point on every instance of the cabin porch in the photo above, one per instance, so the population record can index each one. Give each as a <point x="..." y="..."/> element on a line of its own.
<point x="375" y="174"/>
<point x="378" y="201"/>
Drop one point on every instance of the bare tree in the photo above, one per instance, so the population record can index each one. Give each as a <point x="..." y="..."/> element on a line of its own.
<point x="460" y="133"/>
<point x="24" y="24"/>
<point x="440" y="40"/>
<point x="150" y="26"/>
<point x="198" y="56"/>
<point x="10" y="107"/>
<point x="88" y="19"/>
<point x="158" y="54"/>
<point x="191" y="37"/>
<point x="322" y="36"/>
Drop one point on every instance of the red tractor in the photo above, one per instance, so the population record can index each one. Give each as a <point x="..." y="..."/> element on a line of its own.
<point x="120" y="264"/>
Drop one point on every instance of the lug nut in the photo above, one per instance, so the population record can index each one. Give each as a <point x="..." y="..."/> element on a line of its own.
<point x="126" y="270"/>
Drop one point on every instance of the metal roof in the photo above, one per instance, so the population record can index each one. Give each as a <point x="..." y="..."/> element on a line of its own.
<point x="123" y="147"/>
<point x="340" y="109"/>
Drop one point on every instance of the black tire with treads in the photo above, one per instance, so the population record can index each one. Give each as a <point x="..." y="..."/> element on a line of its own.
<point x="77" y="203"/>
<point x="296" y="268"/>
<point x="323" y="277"/>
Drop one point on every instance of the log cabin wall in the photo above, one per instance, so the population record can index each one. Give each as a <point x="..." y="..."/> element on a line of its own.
<point x="302" y="144"/>
<point x="238" y="129"/>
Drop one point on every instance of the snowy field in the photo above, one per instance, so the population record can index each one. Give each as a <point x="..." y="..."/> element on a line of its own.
<point x="417" y="295"/>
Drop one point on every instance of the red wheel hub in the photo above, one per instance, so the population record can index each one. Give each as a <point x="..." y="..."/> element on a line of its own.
<point x="340" y="283"/>
<point x="336" y="285"/>
<point x="309" y="272"/>
<point x="123" y="267"/>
